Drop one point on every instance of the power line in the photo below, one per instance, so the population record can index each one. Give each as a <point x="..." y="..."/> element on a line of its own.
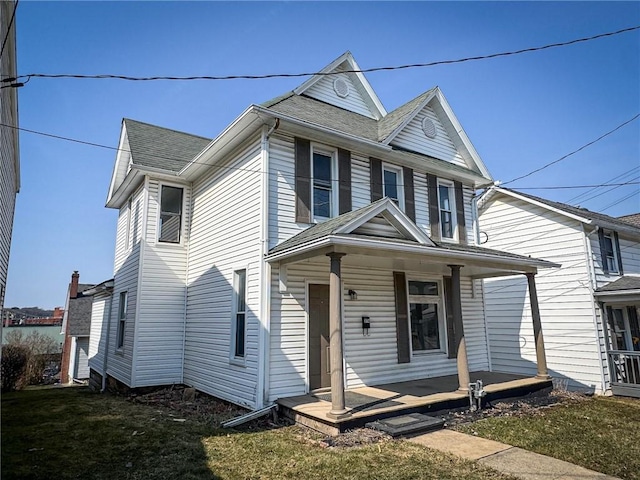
<point x="163" y="157"/>
<point x="620" y="200"/>
<point x="13" y="15"/>
<point x="588" y="192"/>
<point x="574" y="152"/>
<point x="307" y="74"/>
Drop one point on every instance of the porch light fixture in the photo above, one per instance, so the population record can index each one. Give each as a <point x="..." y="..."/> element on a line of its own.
<point x="353" y="295"/>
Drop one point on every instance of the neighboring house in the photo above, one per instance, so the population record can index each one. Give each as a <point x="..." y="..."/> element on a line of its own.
<point x="9" y="149"/>
<point x="599" y="279"/>
<point x="76" y="326"/>
<point x="317" y="242"/>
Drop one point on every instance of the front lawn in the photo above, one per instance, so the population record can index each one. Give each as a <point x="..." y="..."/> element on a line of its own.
<point x="66" y="433"/>
<point x="599" y="433"/>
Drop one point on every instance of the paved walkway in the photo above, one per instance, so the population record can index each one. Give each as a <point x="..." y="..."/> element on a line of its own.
<point x="506" y="458"/>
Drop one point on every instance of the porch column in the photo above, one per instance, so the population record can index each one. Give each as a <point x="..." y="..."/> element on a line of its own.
<point x="458" y="328"/>
<point x="338" y="409"/>
<point x="541" y="358"/>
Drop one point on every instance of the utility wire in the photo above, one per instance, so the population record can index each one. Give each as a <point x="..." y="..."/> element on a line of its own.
<point x="13" y="16"/>
<point x="574" y="152"/>
<point x="579" y="198"/>
<point x="416" y="187"/>
<point x="620" y="200"/>
<point x="307" y="74"/>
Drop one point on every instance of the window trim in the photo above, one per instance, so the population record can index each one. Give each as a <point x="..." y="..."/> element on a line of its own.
<point x="331" y="152"/>
<point x="399" y="183"/>
<point x="161" y="185"/>
<point x="235" y="359"/>
<point x="129" y="241"/>
<point x="122" y="320"/>
<point x="452" y="208"/>
<point x="442" y="315"/>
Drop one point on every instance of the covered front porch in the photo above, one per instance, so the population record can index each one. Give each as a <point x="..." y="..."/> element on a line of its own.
<point x="398" y="307"/>
<point x="429" y="395"/>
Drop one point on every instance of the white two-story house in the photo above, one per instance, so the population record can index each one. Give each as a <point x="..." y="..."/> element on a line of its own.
<point x="319" y="241"/>
<point x="589" y="307"/>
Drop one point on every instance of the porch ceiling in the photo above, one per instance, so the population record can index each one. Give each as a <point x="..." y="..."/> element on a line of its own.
<point x="394" y="254"/>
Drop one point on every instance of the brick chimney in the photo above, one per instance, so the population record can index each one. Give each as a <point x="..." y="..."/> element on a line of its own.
<point x="58" y="312"/>
<point x="73" y="293"/>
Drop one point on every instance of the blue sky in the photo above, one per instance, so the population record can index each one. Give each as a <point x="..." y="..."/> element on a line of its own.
<point x="520" y="112"/>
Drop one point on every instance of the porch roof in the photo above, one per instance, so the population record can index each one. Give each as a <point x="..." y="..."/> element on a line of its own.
<point x="340" y="234"/>
<point x="625" y="288"/>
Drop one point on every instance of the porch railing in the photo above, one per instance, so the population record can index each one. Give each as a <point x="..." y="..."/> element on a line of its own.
<point x="625" y="372"/>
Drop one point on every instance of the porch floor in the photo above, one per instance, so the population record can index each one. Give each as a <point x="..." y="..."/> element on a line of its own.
<point x="428" y="395"/>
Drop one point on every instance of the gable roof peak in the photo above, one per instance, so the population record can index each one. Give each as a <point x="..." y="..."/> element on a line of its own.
<point x="353" y="70"/>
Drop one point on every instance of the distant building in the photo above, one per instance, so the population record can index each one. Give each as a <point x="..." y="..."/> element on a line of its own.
<point x="9" y="151"/>
<point x="11" y="318"/>
<point x="75" y="328"/>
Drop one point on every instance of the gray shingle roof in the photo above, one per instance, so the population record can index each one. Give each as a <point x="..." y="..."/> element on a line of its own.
<point x="633" y="219"/>
<point x="623" y="283"/>
<point x="79" y="315"/>
<point x="395" y="118"/>
<point x="158" y="147"/>
<point x="320" y="113"/>
<point x="325" y="229"/>
<point x="581" y="212"/>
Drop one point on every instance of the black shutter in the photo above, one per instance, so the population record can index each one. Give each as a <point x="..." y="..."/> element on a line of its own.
<point x="303" y="180"/>
<point x="451" y="332"/>
<point x="460" y="220"/>
<point x="434" y="209"/>
<point x="409" y="195"/>
<point x="603" y="251"/>
<point x="375" y="167"/>
<point x="618" y="253"/>
<point x="402" y="317"/>
<point x="344" y="180"/>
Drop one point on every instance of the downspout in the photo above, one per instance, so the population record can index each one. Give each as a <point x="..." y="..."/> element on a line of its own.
<point x="262" y="388"/>
<point x="475" y="224"/>
<point x="105" y="361"/>
<point x="591" y="273"/>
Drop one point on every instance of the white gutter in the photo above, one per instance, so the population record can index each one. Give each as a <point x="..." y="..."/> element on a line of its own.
<point x="617" y="293"/>
<point x="334" y="240"/>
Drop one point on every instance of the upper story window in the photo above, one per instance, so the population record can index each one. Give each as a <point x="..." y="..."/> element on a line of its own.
<point x="393" y="185"/>
<point x="610" y="251"/>
<point x="122" y="320"/>
<point x="240" y="313"/>
<point x="324" y="179"/>
<point x="170" y="214"/>
<point x="447" y="208"/>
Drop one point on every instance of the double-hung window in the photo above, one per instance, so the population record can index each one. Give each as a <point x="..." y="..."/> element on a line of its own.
<point x="170" y="214"/>
<point x="447" y="208"/>
<point x="122" y="319"/>
<point x="426" y="316"/>
<point x="393" y="184"/>
<point x="239" y="313"/>
<point x="609" y="255"/>
<point x="324" y="192"/>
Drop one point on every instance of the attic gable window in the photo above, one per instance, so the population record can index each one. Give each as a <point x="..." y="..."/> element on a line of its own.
<point x="170" y="214"/>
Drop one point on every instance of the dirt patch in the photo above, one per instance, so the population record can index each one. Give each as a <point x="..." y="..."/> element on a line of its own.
<point x="358" y="437"/>
<point x="520" y="407"/>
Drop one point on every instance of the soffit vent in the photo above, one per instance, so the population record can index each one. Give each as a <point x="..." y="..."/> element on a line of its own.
<point x="341" y="87"/>
<point x="429" y="128"/>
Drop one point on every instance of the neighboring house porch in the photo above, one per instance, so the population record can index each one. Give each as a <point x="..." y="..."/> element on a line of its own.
<point x="373" y="300"/>
<point x="620" y="301"/>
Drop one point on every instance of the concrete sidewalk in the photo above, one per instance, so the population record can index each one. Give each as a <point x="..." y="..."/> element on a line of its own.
<point x="506" y="458"/>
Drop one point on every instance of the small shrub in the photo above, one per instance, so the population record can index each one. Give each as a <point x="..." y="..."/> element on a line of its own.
<point x="14" y="363"/>
<point x="40" y="350"/>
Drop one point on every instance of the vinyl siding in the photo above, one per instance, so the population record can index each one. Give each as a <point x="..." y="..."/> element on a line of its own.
<point x="412" y="137"/>
<point x="8" y="148"/>
<point x="161" y="306"/>
<point x="360" y="181"/>
<point x="98" y="332"/>
<point x="370" y="360"/>
<point x="564" y="294"/>
<point x="354" y="102"/>
<point x="225" y="237"/>
<point x="127" y="258"/>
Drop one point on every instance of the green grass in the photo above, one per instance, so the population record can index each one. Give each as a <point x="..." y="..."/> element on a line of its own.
<point x="600" y="433"/>
<point x="67" y="433"/>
